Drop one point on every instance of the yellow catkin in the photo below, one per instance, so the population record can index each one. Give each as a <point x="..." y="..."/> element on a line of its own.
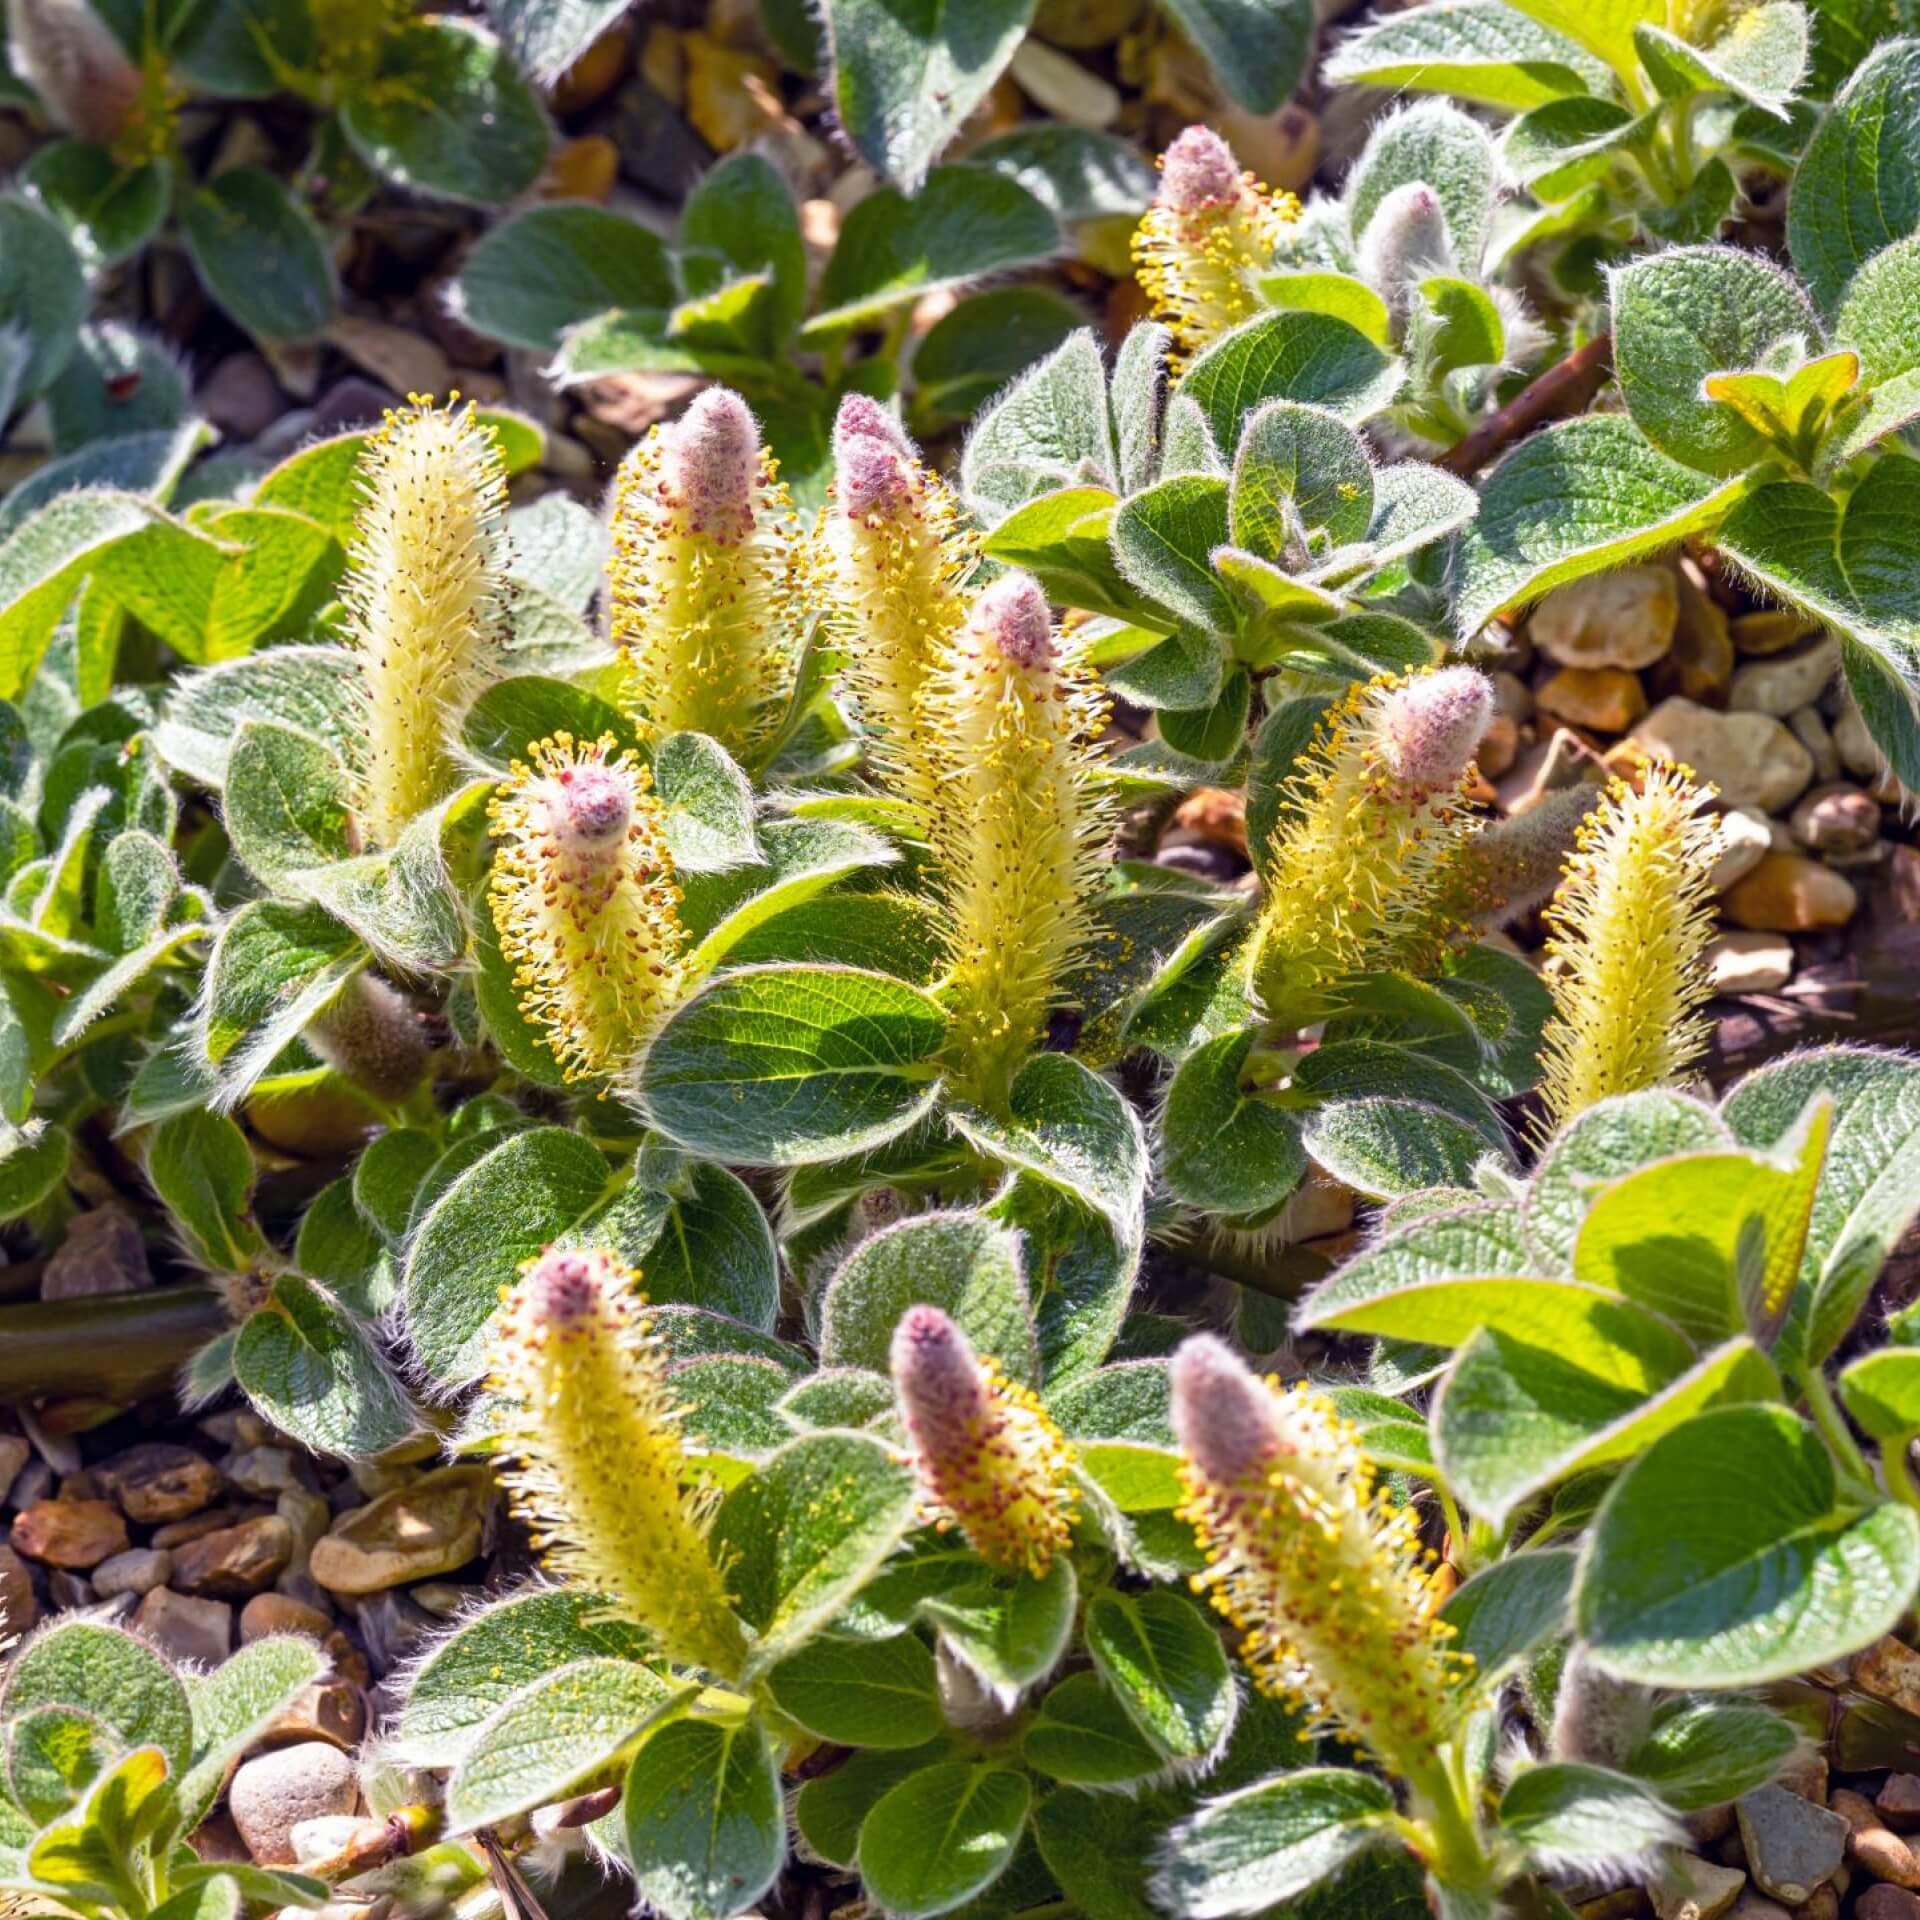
<point x="1629" y="930"/>
<point x="1334" y="1599"/>
<point x="597" y="1465"/>
<point x="584" y="901"/>
<point x="1370" y="824"/>
<point x="1210" y="229"/>
<point x="422" y="593"/>
<point x="704" y="578"/>
<point x="888" y="562"/>
<point x="1019" y="832"/>
<point x="988" y="1456"/>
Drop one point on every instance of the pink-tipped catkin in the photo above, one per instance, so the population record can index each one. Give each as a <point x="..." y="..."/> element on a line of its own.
<point x="1431" y="727"/>
<point x="1012" y="614"/>
<point x="873" y="460"/>
<point x="589" y="808"/>
<point x="711" y="461"/>
<point x="1406" y="240"/>
<point x="942" y="1386"/>
<point x="564" y="1289"/>
<point x="1222" y="1415"/>
<point x="1198" y="171"/>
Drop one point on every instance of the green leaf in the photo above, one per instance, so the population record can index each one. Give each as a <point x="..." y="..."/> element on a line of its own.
<point x="942" y="1835"/>
<point x="53" y="1755"/>
<point x="488" y="1658"/>
<point x="286" y="802"/>
<point x="1271" y="1842"/>
<point x="905" y="77"/>
<point x="708" y="803"/>
<point x="449" y="115"/>
<point x="1575" y="499"/>
<point x="742" y="211"/>
<point x="1074" y="172"/>
<point x="1857" y="187"/>
<point x="260" y="255"/>
<point x="532" y="277"/>
<point x="963" y="1263"/>
<point x="779" y="1066"/>
<point x="1117" y="1418"/>
<point x="1258" y="49"/>
<point x="545" y="37"/>
<point x="235" y="1704"/>
<point x="43" y="294"/>
<point x="202" y="1168"/>
<point x="1605" y="30"/>
<point x="1080" y="1733"/>
<point x="702" y="1242"/>
<point x="1685" y="314"/>
<point x="862" y="1693"/>
<point x="1477" y="50"/>
<point x="1223" y="1149"/>
<point x="1433" y="144"/>
<point x="1569" y="1815"/>
<point x="502" y="1211"/>
<point x="1566" y="145"/>
<point x="1720" y="1558"/>
<point x="1049" y="430"/>
<point x="312" y="690"/>
<point x="91" y="1856"/>
<point x="1073" y="1131"/>
<point x="828" y="1810"/>
<point x="1877" y="322"/>
<point x="1882" y="1393"/>
<point x="109" y="1674"/>
<point x="304" y="1363"/>
<point x="560" y="1735"/>
<point x="1382" y="1147"/>
<point x="1010" y="1628"/>
<point x="1300" y="470"/>
<point x="971" y="352"/>
<point x="703" y="1819"/>
<point x="1343" y="295"/>
<point x="963" y="223"/>
<point x="1289" y="356"/>
<point x="273" y="967"/>
<point x="807" y="1530"/>
<point x="1166" y="1667"/>
<point x="1508" y="1609"/>
<point x="1704" y="1756"/>
<point x="110" y="210"/>
<point x="1098" y="1848"/>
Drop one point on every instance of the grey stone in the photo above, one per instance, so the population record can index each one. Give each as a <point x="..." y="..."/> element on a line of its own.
<point x="1750" y="758"/>
<point x="1792" y="1845"/>
<point x="1624" y="617"/>
<point x="138" y="1570"/>
<point x="1787" y="681"/>
<point x="275" y="1792"/>
<point x="102" y="1253"/>
<point x="197" y="1631"/>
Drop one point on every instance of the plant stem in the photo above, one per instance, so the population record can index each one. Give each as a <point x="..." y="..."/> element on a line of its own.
<point x="1565" y="387"/>
<point x="1451" y="1842"/>
<point x="118" y="1346"/>
<point x="1833" y="1430"/>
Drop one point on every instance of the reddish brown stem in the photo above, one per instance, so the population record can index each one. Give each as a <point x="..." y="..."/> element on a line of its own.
<point x="1566" y="387"/>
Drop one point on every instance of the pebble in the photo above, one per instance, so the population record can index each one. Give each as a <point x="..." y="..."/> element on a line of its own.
<point x="1792" y="1845"/>
<point x="69" y="1590"/>
<point x="1787" y="681"/>
<point x="1890" y="1671"/>
<point x="1751" y="758"/>
<point x="176" y="1533"/>
<point x="308" y="1514"/>
<point x="240" y="396"/>
<point x="1813" y="733"/>
<point x="1605" y="699"/>
<point x="34" y="1482"/>
<point x="1788" y="893"/>
<point x="273" y="1792"/>
<point x="1750" y="962"/>
<point x="1063" y="88"/>
<point x="235" y="1561"/>
<point x="1622" y="618"/>
<point x="1836" y="819"/>
<point x="1564" y="760"/>
<point x="1699" y="664"/>
<point x="1696" y="1889"/>
<point x="430" y="1526"/>
<point x="199" y="1631"/>
<point x="1886" y="1903"/>
<point x="70" y="1533"/>
<point x="265" y="1470"/>
<point x="15" y="1452"/>
<point x="1855" y="745"/>
<point x="598" y="70"/>
<point x="1745" y="837"/>
<point x="269" y="1613"/>
<point x="333" y="1710"/>
<point x="1872" y="1845"/>
<point x="156" y="1483"/>
<point x="19" y="1609"/>
<point x="1770" y="630"/>
<point x="138" y="1570"/>
<point x="102" y="1253"/>
<point x="1898" y="1800"/>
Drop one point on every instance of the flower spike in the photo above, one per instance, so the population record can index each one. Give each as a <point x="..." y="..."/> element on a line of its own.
<point x="1210" y="228"/>
<point x="599" y="1469"/>
<point x="1334" y="1599"/>
<point x="424" y="583"/>
<point x="1630" y="926"/>
<point x="1358" y="873"/>
<point x="704" y="578"/>
<point x="889" y="557"/>
<point x="583" y="898"/>
<point x="1020" y="828"/>
<point x="989" y="1458"/>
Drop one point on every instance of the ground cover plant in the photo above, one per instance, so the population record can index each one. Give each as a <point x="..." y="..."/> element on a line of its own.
<point x="943" y="1087"/>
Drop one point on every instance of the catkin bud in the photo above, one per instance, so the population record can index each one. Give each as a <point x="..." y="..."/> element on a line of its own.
<point x="598" y="1467"/>
<point x="704" y="577"/>
<point x="1333" y="1597"/>
<point x="1374" y="817"/>
<point x="424" y="581"/>
<point x="1405" y="242"/>
<point x="370" y="1033"/>
<point x="583" y="898"/>
<point x="1630" y="926"/>
<point x="73" y="60"/>
<point x="1019" y="831"/>
<point x="1210" y="229"/>
<point x="889" y="557"/>
<point x="989" y="1458"/>
<point x="1513" y="866"/>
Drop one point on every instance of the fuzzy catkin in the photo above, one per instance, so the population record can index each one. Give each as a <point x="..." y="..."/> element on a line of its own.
<point x="584" y="901"/>
<point x="1210" y="229"/>
<point x="1323" y="1577"/>
<point x="1373" y="821"/>
<point x="1019" y="831"/>
<point x="888" y="563"/>
<point x="988" y="1456"/>
<point x="424" y="582"/>
<point x="1629" y="929"/>
<point x="370" y="1033"/>
<point x="598" y="1468"/>
<point x="704" y="579"/>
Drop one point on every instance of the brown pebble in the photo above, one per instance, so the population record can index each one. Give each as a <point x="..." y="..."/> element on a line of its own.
<point x="76" y="1534"/>
<point x="236" y="1561"/>
<point x="156" y="1483"/>
<point x="1890" y="1671"/>
<point x="269" y="1613"/>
